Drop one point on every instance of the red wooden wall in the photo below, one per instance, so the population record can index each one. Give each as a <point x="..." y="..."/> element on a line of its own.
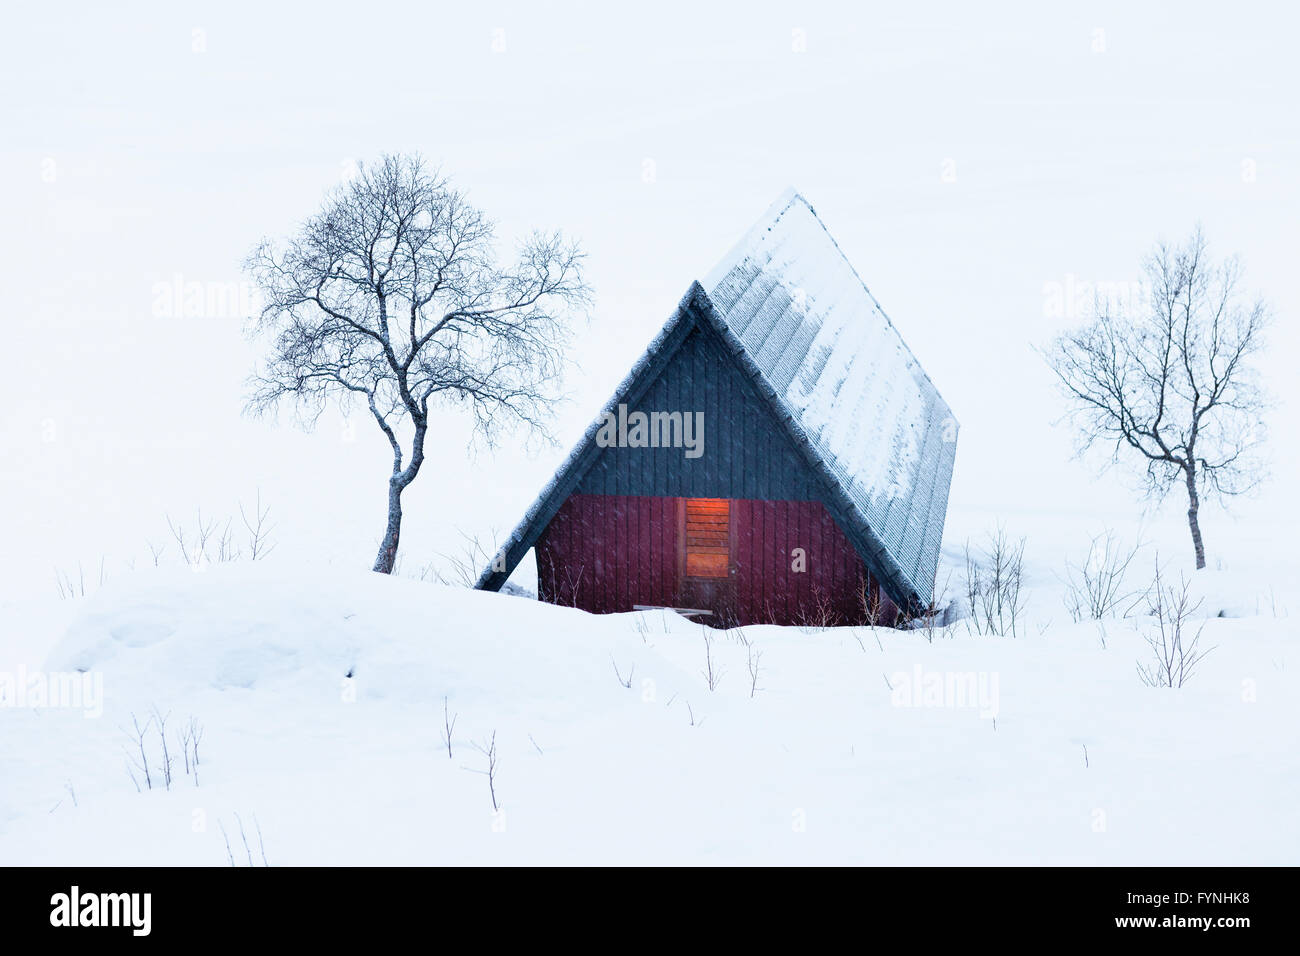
<point x="607" y="553"/>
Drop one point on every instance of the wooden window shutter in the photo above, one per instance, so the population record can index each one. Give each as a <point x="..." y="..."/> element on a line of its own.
<point x="707" y="530"/>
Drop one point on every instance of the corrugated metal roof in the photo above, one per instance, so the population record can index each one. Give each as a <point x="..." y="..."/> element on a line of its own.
<point x="836" y="362"/>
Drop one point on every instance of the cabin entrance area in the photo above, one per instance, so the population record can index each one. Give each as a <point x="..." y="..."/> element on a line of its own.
<point x="705" y="555"/>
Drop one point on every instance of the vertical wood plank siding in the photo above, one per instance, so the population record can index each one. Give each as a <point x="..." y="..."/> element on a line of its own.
<point x="608" y="553"/>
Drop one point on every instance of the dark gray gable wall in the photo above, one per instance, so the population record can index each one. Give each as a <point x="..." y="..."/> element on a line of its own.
<point x="745" y="454"/>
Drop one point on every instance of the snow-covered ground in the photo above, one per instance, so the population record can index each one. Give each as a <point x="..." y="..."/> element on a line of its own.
<point x="859" y="746"/>
<point x="982" y="209"/>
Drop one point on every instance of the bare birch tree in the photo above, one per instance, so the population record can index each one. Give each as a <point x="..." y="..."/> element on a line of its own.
<point x="392" y="297"/>
<point x="1169" y="386"/>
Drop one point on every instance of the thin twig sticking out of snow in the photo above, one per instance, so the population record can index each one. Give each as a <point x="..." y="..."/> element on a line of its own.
<point x="754" y="662"/>
<point x="691" y="713"/>
<point x="449" y="725"/>
<point x="489" y="750"/>
<point x="244" y="837"/>
<point x="248" y="849"/>
<point x="76" y="588"/>
<point x="137" y="732"/>
<point x="712" y="675"/>
<point x="225" y="836"/>
<point x="261" y="845"/>
<point x="191" y="734"/>
<point x="160" y="720"/>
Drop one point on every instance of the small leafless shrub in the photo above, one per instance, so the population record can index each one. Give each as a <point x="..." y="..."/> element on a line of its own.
<point x="191" y="734"/>
<point x="564" y="585"/>
<point x="74" y="585"/>
<point x="625" y="681"/>
<point x="817" y="614"/>
<point x="149" y="770"/>
<point x="1175" y="647"/>
<point x="259" y="528"/>
<point x="995" y="587"/>
<point x="1274" y="610"/>
<point x="463" y="567"/>
<point x="1096" y="589"/>
<point x="213" y="541"/>
<point x="206" y="541"/>
<point x="226" y="550"/>
<point x="193" y="542"/>
<point x="931" y="620"/>
<point x="869" y="601"/>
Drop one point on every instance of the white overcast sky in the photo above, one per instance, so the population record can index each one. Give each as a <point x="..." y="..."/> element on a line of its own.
<point x="153" y="143"/>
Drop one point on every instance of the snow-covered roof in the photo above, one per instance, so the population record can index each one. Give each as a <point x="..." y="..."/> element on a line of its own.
<point x="836" y="362"/>
<point x="805" y="326"/>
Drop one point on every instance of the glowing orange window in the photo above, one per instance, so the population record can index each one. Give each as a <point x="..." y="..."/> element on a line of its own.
<point x="708" y="537"/>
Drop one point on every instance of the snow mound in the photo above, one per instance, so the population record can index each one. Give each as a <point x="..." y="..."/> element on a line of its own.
<point x="244" y="627"/>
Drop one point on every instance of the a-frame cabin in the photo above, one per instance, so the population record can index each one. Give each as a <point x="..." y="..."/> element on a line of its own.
<point x="776" y="456"/>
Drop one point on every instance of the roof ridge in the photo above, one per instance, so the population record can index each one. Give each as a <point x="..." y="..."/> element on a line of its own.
<point x="765" y="223"/>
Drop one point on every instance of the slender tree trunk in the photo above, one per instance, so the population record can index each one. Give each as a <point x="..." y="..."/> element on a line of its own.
<point x="387" y="557"/>
<point x="386" y="560"/>
<point x="1193" y="507"/>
